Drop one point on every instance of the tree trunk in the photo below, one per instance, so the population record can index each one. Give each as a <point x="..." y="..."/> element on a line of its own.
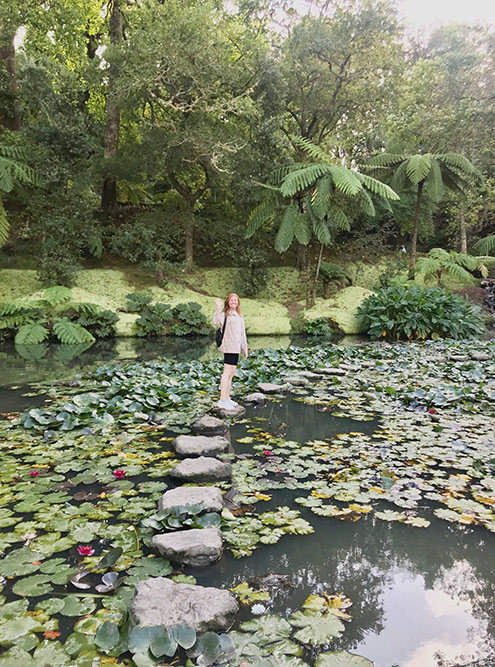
<point x="462" y="229"/>
<point x="10" y="117"/>
<point x="300" y="257"/>
<point x="308" y="278"/>
<point x="316" y="275"/>
<point x="112" y="129"/>
<point x="189" y="244"/>
<point x="414" y="241"/>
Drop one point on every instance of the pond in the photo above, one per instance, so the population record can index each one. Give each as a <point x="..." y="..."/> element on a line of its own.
<point x="420" y="576"/>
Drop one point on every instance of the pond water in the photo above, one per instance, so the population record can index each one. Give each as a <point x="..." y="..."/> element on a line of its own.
<point x="421" y="598"/>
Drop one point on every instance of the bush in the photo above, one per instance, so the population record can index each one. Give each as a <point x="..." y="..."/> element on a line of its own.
<point x="412" y="313"/>
<point x="318" y="327"/>
<point x="137" y="302"/>
<point x="254" y="273"/>
<point x="160" y="319"/>
<point x="101" y="324"/>
<point x="330" y="272"/>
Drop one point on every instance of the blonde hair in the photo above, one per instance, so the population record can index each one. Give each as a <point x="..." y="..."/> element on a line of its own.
<point x="226" y="306"/>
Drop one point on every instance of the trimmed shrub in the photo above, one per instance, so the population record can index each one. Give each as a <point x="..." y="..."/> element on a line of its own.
<point x="184" y="319"/>
<point x="416" y="313"/>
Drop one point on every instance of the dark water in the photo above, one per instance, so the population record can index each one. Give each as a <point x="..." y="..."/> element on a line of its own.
<point x="421" y="597"/>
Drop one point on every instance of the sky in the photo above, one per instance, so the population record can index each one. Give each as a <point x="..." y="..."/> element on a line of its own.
<point x="432" y="13"/>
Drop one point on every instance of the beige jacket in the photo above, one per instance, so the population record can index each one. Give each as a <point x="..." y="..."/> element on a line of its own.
<point x="230" y="343"/>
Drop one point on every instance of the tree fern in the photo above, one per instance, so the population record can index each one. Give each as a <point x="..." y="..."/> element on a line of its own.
<point x="83" y="307"/>
<point x="4" y="225"/>
<point x="458" y="161"/>
<point x="71" y="333"/>
<point x="312" y="150"/>
<point x="377" y="187"/>
<point x="337" y="216"/>
<point x="302" y="229"/>
<point x="31" y="334"/>
<point x="345" y="180"/>
<point x="485" y="246"/>
<point x="418" y="168"/>
<point x="14" y="321"/>
<point x="436" y="181"/>
<point x="322" y="232"/>
<point x="321" y="194"/>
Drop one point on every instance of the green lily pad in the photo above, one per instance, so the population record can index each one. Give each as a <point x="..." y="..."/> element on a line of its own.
<point x="17" y="627"/>
<point x="268" y="628"/>
<point x="78" y="606"/>
<point x="37" y="584"/>
<point x="51" y="605"/>
<point x="316" y="628"/>
<point x="342" y="659"/>
<point x="53" y="654"/>
<point x="20" y="562"/>
<point x="15" y="657"/>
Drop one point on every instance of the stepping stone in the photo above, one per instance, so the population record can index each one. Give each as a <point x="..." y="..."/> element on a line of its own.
<point x="202" y="469"/>
<point x="330" y="370"/>
<point x="238" y="411"/>
<point x="270" y="388"/>
<point x="309" y="375"/>
<point x="295" y="381"/>
<point x="210" y="496"/>
<point x="197" y="547"/>
<point x="459" y="357"/>
<point x="160" y="601"/>
<point x="200" y="445"/>
<point x="257" y="398"/>
<point x="480" y="356"/>
<point x="209" y="425"/>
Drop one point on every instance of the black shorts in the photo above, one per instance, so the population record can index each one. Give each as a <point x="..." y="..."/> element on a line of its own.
<point x="231" y="359"/>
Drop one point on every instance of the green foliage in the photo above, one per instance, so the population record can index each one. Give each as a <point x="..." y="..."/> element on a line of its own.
<point x="486" y="246"/>
<point x="13" y="170"/>
<point x="55" y="314"/>
<point x="137" y="302"/>
<point x="253" y="275"/>
<point x="401" y="312"/>
<point x="319" y="327"/>
<point x="457" y="264"/>
<point x="330" y="272"/>
<point x="160" y="319"/>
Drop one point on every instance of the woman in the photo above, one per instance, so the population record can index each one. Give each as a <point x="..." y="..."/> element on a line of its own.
<point x="233" y="344"/>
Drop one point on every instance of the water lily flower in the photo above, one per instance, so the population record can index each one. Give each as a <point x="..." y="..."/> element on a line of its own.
<point x="118" y="474"/>
<point x="432" y="411"/>
<point x="277" y="470"/>
<point x="118" y="363"/>
<point x="34" y="473"/>
<point x="267" y="452"/>
<point x="85" y="550"/>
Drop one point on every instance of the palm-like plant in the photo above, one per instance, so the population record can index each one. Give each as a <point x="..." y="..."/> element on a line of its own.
<point x="13" y="170"/>
<point x="311" y="200"/>
<point x="486" y="246"/>
<point x="458" y="264"/>
<point x="36" y="320"/>
<point x="435" y="170"/>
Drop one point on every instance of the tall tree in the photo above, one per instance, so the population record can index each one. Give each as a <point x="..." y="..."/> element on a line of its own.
<point x="435" y="171"/>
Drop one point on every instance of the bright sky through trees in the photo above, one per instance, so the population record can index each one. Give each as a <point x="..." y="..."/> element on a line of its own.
<point x="431" y="13"/>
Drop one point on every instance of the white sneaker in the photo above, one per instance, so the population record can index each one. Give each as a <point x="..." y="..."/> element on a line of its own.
<point x="226" y="404"/>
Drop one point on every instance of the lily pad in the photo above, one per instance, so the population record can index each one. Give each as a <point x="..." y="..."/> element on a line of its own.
<point x="316" y="628"/>
<point x="342" y="659"/>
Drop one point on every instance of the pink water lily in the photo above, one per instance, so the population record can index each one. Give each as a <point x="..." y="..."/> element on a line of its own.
<point x="34" y="473"/>
<point x="118" y="474"/>
<point x="432" y="411"/>
<point x="267" y="452"/>
<point x="85" y="550"/>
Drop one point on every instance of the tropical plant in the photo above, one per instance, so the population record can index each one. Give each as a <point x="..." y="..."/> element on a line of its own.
<point x="413" y="312"/>
<point x="486" y="246"/>
<point x="332" y="273"/>
<point x="311" y="200"/>
<point x="13" y="170"/>
<point x="458" y="264"/>
<point x="436" y="171"/>
<point x="319" y="327"/>
<point x="161" y="319"/>
<point x="53" y="314"/>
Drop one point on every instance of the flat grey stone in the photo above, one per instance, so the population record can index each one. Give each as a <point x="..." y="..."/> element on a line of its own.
<point x="210" y="496"/>
<point x="209" y="425"/>
<point x="330" y="370"/>
<point x="349" y="367"/>
<point x="237" y="411"/>
<point x="480" y="356"/>
<point x="309" y="375"/>
<point x="200" y="445"/>
<point x="295" y="380"/>
<point x="197" y="547"/>
<point x="202" y="469"/>
<point x="270" y="388"/>
<point x="160" y="601"/>
<point x="459" y="357"/>
<point x="257" y="397"/>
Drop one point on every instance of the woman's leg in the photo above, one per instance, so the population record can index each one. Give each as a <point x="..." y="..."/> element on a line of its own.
<point x="226" y="381"/>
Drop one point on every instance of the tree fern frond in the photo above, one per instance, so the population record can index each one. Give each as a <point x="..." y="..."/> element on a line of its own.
<point x="399" y="178"/>
<point x="485" y="246"/>
<point x="366" y="203"/>
<point x="278" y="175"/>
<point x="459" y="272"/>
<point x="71" y="333"/>
<point x="458" y="161"/>
<point x="14" y="152"/>
<point x="312" y="150"/>
<point x="321" y="231"/>
<point x="302" y="178"/>
<point x="260" y="215"/>
<point x="286" y="232"/>
<point x="345" y="180"/>
<point x="468" y="261"/>
<point x="14" y="321"/>
<point x="435" y="181"/>
<point x="57" y="295"/>
<point x="31" y="334"/>
<point x="320" y="196"/>
<point x="418" y="167"/>
<point x="427" y="265"/>
<point x="386" y="160"/>
<point x="6" y="179"/>
<point x="377" y="187"/>
<point x="267" y="186"/>
<point x="82" y="308"/>
<point x="337" y="216"/>
<point x="4" y="225"/>
<point x="302" y="229"/>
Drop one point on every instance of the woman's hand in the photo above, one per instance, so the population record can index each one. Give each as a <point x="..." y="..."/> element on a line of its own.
<point x="219" y="303"/>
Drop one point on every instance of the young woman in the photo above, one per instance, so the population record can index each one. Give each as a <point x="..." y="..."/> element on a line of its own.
<point x="233" y="344"/>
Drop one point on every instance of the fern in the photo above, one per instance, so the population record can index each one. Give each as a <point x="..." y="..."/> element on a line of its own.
<point x="322" y="232"/>
<point x="83" y="308"/>
<point x="345" y="180"/>
<point x="31" y="334"/>
<point x="315" y="152"/>
<point x="302" y="179"/>
<point x="418" y="167"/>
<point x="302" y="229"/>
<point x="260" y="215"/>
<point x="459" y="162"/>
<point x="366" y="203"/>
<point x="14" y="321"/>
<point x="321" y="195"/>
<point x="339" y="218"/>
<point x="12" y="308"/>
<point x="71" y="333"/>
<point x="377" y="187"/>
<point x="4" y="225"/>
<point x="485" y="246"/>
<point x="57" y="295"/>
<point x="285" y="234"/>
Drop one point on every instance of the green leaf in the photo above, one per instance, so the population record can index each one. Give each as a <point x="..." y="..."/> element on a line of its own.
<point x="37" y="584"/>
<point x="78" y="606"/>
<point x="269" y="628"/>
<point x="163" y="644"/>
<point x="70" y="333"/>
<point x="316" y="628"/>
<point x="342" y="659"/>
<point x="110" y="558"/>
<point x="140" y="638"/>
<point x="18" y="627"/>
<point x="20" y="562"/>
<point x="107" y="636"/>
<point x="31" y="334"/>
